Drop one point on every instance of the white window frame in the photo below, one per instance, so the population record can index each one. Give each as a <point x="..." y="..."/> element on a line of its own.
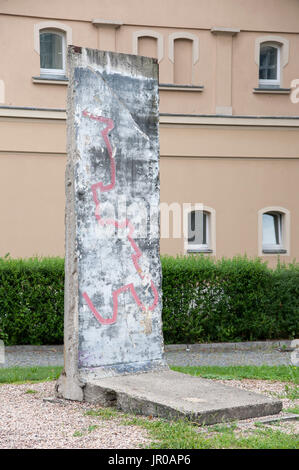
<point x="203" y="247"/>
<point x="61" y="72"/>
<point x="270" y="82"/>
<point x="284" y="232"/>
<point x="149" y="33"/>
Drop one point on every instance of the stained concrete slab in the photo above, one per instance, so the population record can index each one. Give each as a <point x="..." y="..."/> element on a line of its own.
<point x="174" y="395"/>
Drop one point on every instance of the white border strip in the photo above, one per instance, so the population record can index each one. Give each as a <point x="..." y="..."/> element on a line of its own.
<point x="164" y="120"/>
<point x="226" y="121"/>
<point x="32" y="113"/>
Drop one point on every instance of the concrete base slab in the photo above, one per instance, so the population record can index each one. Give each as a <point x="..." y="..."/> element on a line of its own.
<point x="171" y="395"/>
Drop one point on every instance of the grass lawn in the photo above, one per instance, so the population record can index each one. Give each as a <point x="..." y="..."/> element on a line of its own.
<point x="278" y="373"/>
<point x="12" y="375"/>
<point x="182" y="434"/>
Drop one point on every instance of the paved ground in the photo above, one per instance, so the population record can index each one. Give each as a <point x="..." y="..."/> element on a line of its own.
<point x="228" y="358"/>
<point x="259" y="355"/>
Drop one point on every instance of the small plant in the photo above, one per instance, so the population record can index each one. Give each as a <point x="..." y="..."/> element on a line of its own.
<point x="292" y="393"/>
<point x="223" y="427"/>
<point x="294" y="372"/>
<point x="78" y="434"/>
<point x="104" y="413"/>
<point x="258" y="424"/>
<point x="294" y="410"/>
<point x="92" y="427"/>
<point x="275" y="423"/>
<point x="30" y="391"/>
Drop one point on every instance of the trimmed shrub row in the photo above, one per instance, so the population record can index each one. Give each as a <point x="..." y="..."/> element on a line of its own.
<point x="228" y="300"/>
<point x="203" y="300"/>
<point x="31" y="300"/>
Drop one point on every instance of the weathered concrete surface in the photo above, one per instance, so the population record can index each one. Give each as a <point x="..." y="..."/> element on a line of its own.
<point x="113" y="344"/>
<point x="113" y="273"/>
<point x="174" y="395"/>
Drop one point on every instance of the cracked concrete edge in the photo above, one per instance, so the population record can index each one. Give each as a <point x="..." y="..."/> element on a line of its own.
<point x="68" y="384"/>
<point x="127" y="403"/>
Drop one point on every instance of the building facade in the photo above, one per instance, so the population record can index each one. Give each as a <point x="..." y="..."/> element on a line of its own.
<point x="229" y="119"/>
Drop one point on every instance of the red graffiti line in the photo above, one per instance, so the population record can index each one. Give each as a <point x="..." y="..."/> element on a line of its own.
<point x="126" y="224"/>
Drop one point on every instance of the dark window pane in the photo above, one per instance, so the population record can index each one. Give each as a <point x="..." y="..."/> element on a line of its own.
<point x="271" y="228"/>
<point x="51" y="53"/>
<point x="197" y="228"/>
<point x="268" y="63"/>
<point x="263" y="74"/>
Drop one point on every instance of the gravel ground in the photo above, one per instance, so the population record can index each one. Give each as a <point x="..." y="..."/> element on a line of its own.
<point x="53" y="355"/>
<point x="30" y="422"/>
<point x="270" y="389"/>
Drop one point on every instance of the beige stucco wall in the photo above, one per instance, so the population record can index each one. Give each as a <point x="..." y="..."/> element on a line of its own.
<point x="190" y="13"/>
<point x="215" y="183"/>
<point x="235" y="166"/>
<point x="17" y="74"/>
<point x="245" y="78"/>
<point x="225" y="66"/>
<point x="238" y="181"/>
<point x="230" y="141"/>
<point x="32" y="205"/>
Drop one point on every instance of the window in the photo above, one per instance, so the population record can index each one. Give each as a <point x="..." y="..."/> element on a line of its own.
<point x="271" y="55"/>
<point x="272" y="230"/>
<point x="269" y="68"/>
<point x="198" y="231"/>
<point x="52" y="52"/>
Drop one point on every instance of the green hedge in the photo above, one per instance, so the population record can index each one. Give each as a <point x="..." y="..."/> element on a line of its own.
<point x="228" y="300"/>
<point x="31" y="300"/>
<point x="203" y="300"/>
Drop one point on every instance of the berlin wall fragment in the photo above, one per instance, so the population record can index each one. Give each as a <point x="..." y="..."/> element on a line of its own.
<point x="112" y="271"/>
<point x="113" y="340"/>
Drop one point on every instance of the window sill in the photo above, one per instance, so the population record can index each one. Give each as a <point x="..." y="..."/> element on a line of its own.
<point x="199" y="250"/>
<point x="171" y="87"/>
<point x="275" y="251"/>
<point x="272" y="90"/>
<point x="54" y="80"/>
